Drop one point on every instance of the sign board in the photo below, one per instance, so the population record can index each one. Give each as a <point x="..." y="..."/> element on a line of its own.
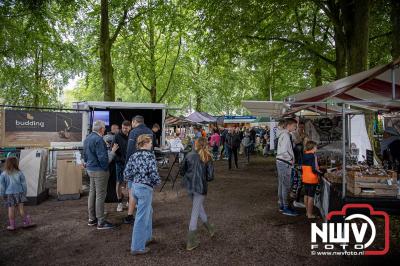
<point x="38" y="129"/>
<point x="370" y="158"/>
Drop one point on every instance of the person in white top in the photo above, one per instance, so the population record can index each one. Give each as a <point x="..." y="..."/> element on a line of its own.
<point x="177" y="146"/>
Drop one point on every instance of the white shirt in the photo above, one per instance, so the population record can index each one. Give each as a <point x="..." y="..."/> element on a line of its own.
<point x="176" y="145"/>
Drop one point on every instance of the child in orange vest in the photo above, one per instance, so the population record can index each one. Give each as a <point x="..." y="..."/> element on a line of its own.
<point x="309" y="176"/>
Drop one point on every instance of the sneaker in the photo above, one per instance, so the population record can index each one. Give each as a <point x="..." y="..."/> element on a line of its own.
<point x="281" y="208"/>
<point x="129" y="219"/>
<point x="11" y="228"/>
<point x="120" y="207"/>
<point x="289" y="212"/>
<point x="298" y="204"/>
<point x="140" y="252"/>
<point x="127" y="204"/>
<point x="27" y="221"/>
<point x="151" y="241"/>
<point x="105" y="225"/>
<point x="92" y="222"/>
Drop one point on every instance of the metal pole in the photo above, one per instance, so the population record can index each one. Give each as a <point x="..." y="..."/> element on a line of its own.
<point x="393" y="84"/>
<point x="343" y="152"/>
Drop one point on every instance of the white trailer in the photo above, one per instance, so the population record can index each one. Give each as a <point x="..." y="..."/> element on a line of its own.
<point x="119" y="111"/>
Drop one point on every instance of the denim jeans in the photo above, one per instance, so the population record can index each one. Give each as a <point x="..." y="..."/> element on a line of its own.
<point x="197" y="211"/>
<point x="142" y="229"/>
<point x="284" y="174"/>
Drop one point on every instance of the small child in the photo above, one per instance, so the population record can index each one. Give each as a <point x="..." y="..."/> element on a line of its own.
<point x="13" y="189"/>
<point x="309" y="176"/>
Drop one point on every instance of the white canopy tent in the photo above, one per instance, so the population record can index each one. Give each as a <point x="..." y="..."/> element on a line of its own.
<point x="266" y="108"/>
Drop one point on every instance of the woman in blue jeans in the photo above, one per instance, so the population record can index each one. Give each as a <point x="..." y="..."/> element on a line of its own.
<point x="142" y="171"/>
<point x="198" y="169"/>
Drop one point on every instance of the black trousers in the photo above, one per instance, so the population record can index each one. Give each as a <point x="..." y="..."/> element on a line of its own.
<point x="247" y="151"/>
<point x="232" y="152"/>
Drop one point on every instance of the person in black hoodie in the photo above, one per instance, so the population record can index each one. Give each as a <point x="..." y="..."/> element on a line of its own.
<point x="232" y="142"/>
<point x="197" y="169"/>
<point x="121" y="138"/>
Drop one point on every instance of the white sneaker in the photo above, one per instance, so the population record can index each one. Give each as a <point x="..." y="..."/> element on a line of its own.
<point x="120" y="207"/>
<point x="298" y="204"/>
<point x="127" y="204"/>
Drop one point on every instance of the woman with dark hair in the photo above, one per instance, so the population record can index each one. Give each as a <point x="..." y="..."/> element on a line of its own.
<point x="198" y="169"/>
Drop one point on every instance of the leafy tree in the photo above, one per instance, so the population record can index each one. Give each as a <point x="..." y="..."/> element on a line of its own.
<point x="37" y="54"/>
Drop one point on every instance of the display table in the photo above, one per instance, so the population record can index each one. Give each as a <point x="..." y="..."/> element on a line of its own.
<point x="330" y="199"/>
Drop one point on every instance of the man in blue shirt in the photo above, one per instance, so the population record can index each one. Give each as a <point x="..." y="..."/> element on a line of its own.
<point x="95" y="155"/>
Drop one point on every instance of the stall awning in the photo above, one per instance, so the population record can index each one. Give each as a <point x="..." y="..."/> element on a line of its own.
<point x="371" y="90"/>
<point x="201" y="117"/>
<point x="265" y="108"/>
<point x="177" y="121"/>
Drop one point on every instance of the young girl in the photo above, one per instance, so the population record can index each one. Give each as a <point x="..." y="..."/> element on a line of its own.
<point x="197" y="169"/>
<point x="309" y="176"/>
<point x="142" y="171"/>
<point x="13" y="190"/>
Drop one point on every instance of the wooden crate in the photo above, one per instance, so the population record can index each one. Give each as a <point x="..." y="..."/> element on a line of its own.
<point x="372" y="186"/>
<point x="333" y="178"/>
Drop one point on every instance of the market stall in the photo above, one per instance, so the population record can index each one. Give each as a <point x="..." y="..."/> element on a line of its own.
<point x="356" y="175"/>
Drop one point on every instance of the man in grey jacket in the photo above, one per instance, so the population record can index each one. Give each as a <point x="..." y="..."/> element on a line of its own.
<point x="95" y="155"/>
<point x="284" y="165"/>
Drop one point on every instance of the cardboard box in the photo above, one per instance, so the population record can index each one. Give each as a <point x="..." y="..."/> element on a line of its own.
<point x="69" y="179"/>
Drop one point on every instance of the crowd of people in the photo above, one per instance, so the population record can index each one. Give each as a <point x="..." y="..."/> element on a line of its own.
<point x="135" y="162"/>
<point x="227" y="143"/>
<point x="295" y="158"/>
<point x="132" y="150"/>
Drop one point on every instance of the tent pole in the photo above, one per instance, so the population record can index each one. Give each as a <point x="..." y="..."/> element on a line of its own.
<point x="344" y="152"/>
<point x="393" y="84"/>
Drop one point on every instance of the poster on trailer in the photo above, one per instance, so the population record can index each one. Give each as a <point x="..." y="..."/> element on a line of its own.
<point x="38" y="129"/>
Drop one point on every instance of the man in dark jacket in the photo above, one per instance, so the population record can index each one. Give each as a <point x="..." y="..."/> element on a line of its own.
<point x="95" y="155"/>
<point x="156" y="135"/>
<point x="121" y="138"/>
<point x="138" y="128"/>
<point x="232" y="142"/>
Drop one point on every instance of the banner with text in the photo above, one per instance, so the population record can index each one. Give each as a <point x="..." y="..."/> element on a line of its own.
<point x="35" y="128"/>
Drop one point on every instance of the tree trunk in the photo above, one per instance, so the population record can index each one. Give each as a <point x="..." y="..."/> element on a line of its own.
<point x="37" y="88"/>
<point x="340" y="50"/>
<point x="198" y="102"/>
<point x="334" y="14"/>
<point x="105" y="55"/>
<point x="395" y="19"/>
<point x="317" y="73"/>
<point x="356" y="22"/>
<point x="152" y="50"/>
